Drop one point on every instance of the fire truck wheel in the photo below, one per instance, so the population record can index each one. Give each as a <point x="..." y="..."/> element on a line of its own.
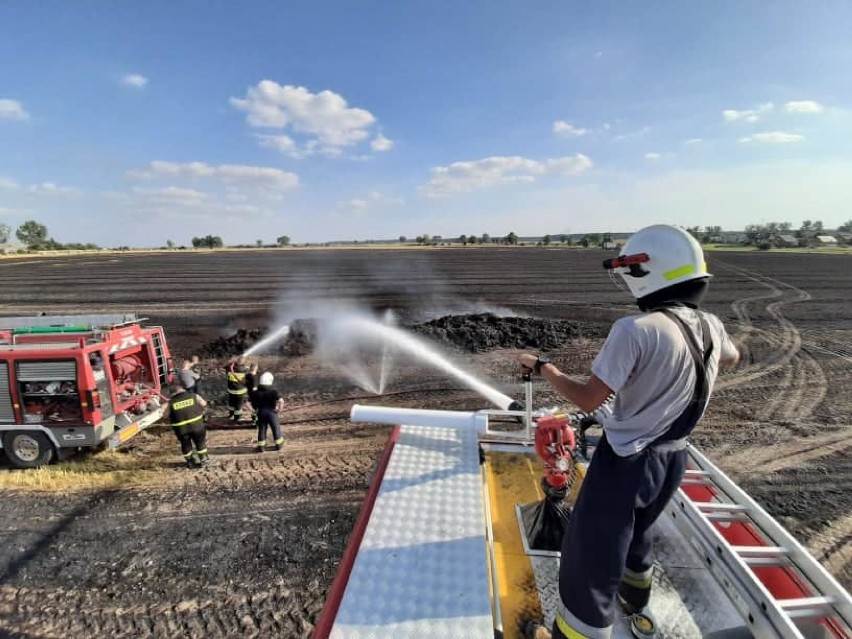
<point x="27" y="449"/>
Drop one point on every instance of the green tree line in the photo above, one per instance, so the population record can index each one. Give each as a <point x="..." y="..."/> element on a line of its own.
<point x="35" y="237"/>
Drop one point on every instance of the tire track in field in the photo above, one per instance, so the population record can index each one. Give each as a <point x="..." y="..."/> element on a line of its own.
<point x="833" y="547"/>
<point x="803" y="385"/>
<point x="794" y="452"/>
<point x="821" y="341"/>
<point x="787" y="343"/>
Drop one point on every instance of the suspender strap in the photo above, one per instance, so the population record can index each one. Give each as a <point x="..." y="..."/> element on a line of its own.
<point x="686" y="421"/>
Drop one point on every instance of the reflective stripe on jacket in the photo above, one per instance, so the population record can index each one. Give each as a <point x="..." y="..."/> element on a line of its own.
<point x="236" y="376"/>
<point x="184" y="409"/>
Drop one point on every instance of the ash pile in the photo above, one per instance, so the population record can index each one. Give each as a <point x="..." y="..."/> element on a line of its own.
<point x="486" y="331"/>
<point x="471" y="333"/>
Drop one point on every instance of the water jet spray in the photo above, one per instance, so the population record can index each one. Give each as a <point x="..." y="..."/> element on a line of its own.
<point x="270" y="339"/>
<point x="367" y="327"/>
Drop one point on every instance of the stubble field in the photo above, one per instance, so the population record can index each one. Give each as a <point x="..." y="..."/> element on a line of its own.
<point x="131" y="544"/>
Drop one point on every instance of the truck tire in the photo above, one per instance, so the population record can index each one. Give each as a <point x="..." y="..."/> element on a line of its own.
<point x="27" y="448"/>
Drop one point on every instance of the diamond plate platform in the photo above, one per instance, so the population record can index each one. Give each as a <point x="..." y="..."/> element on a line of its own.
<point x="422" y="566"/>
<point x="686" y="601"/>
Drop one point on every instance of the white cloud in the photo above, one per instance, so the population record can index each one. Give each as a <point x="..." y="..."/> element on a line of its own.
<point x="40" y="188"/>
<point x="12" y="110"/>
<point x="372" y="200"/>
<point x="8" y="184"/>
<point x="652" y="156"/>
<point x="381" y="143"/>
<point x="462" y="177"/>
<point x="174" y="195"/>
<point x="748" y="115"/>
<point x="803" y="106"/>
<point x="645" y="130"/>
<point x="233" y="174"/>
<point x="599" y="54"/>
<point x="283" y="143"/>
<point x="230" y="191"/>
<point x="694" y="141"/>
<point x="774" y="137"/>
<point x="564" y="128"/>
<point x="568" y="165"/>
<point x="135" y="80"/>
<point x="324" y="121"/>
<point x="175" y="201"/>
<point x="51" y="188"/>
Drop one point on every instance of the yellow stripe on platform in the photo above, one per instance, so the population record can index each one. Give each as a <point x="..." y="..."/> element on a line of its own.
<point x="513" y="478"/>
<point x="128" y="432"/>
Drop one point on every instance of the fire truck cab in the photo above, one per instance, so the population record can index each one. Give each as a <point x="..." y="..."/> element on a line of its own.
<point x="72" y="381"/>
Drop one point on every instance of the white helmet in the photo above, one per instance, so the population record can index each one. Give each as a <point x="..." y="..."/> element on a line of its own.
<point x="657" y="257"/>
<point x="266" y="379"/>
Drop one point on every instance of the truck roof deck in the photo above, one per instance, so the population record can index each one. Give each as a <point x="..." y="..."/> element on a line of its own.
<point x="41" y="346"/>
<point x="442" y="552"/>
<point x="98" y="320"/>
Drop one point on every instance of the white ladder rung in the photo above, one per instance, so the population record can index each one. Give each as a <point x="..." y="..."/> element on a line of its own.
<point x="721" y="511"/>
<point x="807" y="607"/>
<point x="691" y="472"/>
<point x="722" y="516"/>
<point x="763" y="556"/>
<point x="760" y="551"/>
<point x="696" y="477"/>
<point x="714" y="506"/>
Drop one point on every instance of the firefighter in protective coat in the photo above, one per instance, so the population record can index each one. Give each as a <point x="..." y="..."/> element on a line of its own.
<point x="660" y="365"/>
<point x="267" y="402"/>
<point x="239" y="381"/>
<point x="186" y="415"/>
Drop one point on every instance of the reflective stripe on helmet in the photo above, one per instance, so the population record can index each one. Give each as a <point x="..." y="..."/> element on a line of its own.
<point x="686" y="269"/>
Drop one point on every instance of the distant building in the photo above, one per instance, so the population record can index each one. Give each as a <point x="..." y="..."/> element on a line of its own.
<point x="786" y="240"/>
<point x="732" y="237"/>
<point x="609" y="245"/>
<point x="826" y="240"/>
<point x="8" y="247"/>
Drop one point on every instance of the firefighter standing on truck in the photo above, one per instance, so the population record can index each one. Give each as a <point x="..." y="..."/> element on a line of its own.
<point x="186" y="415"/>
<point x="660" y="365"/>
<point x="236" y="374"/>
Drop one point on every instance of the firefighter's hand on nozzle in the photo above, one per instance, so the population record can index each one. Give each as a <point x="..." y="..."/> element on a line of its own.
<point x="527" y="362"/>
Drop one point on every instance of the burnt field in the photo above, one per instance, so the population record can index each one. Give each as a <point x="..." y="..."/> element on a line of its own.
<point x="249" y="547"/>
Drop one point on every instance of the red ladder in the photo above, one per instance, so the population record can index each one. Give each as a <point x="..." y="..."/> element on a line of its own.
<point x="776" y="584"/>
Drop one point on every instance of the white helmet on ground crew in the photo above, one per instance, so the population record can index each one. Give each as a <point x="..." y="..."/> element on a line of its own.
<point x="657" y="257"/>
<point x="266" y="379"/>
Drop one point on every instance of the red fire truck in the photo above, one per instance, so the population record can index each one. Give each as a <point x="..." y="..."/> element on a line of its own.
<point x="75" y="381"/>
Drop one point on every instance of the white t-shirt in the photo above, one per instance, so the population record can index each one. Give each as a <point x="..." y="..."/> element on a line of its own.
<point x="647" y="363"/>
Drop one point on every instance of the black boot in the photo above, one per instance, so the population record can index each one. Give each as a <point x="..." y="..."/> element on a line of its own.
<point x="633" y="599"/>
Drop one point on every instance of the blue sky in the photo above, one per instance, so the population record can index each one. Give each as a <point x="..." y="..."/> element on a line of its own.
<point x="141" y="122"/>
